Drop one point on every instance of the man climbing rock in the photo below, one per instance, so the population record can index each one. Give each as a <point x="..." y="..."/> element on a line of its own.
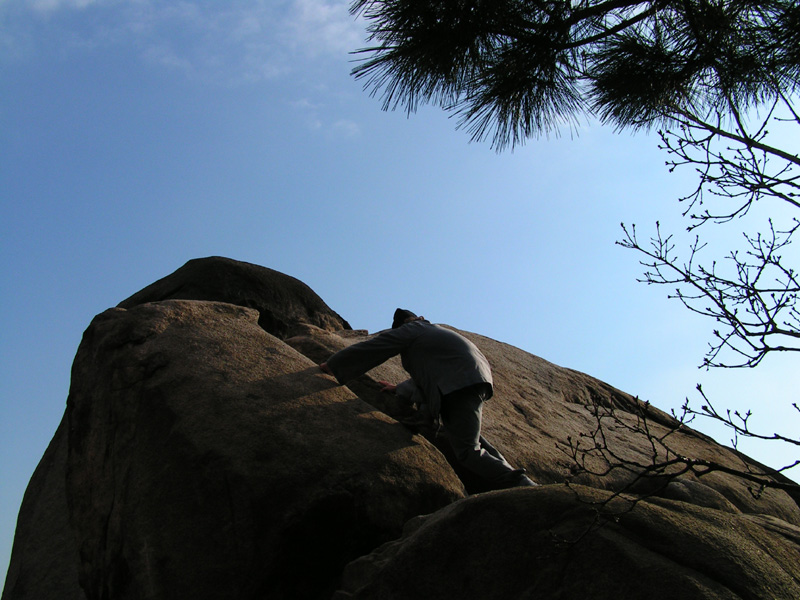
<point x="453" y="377"/>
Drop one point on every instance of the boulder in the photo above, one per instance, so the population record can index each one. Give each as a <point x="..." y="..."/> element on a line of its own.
<point x="204" y="454"/>
<point x="283" y="302"/>
<point x="573" y="543"/>
<point x="538" y="406"/>
<point x="207" y="459"/>
<point x="44" y="557"/>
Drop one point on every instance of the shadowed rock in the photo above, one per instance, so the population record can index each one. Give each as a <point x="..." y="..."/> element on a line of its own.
<point x="44" y="558"/>
<point x="208" y="459"/>
<point x="560" y="542"/>
<point x="537" y="406"/>
<point x="203" y="454"/>
<point x="283" y="302"/>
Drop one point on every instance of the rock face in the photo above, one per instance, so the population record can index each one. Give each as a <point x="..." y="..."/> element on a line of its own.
<point x="191" y="427"/>
<point x="283" y="303"/>
<point x="550" y="542"/>
<point x="203" y="454"/>
<point x="44" y="558"/>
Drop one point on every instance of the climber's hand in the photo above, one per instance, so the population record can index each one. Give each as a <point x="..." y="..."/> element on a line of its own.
<point x="389" y="388"/>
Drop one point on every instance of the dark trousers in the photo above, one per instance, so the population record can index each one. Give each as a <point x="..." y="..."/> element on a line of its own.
<point x="462" y="414"/>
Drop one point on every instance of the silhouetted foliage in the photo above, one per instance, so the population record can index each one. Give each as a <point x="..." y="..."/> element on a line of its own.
<point x="511" y="69"/>
<point x="752" y="292"/>
<point x="715" y="76"/>
<point x="595" y="453"/>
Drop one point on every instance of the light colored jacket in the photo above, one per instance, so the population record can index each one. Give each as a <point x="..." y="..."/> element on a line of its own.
<point x="440" y="361"/>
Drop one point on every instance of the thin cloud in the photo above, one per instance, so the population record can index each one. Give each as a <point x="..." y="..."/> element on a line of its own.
<point x="228" y="42"/>
<point x="166" y="57"/>
<point x="305" y="104"/>
<point x="49" y="6"/>
<point x="315" y="115"/>
<point x="322" y="26"/>
<point x="346" y="128"/>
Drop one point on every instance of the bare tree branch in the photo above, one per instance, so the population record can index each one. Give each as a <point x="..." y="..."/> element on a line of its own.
<point x="594" y="453"/>
<point x="739" y="423"/>
<point x="753" y="305"/>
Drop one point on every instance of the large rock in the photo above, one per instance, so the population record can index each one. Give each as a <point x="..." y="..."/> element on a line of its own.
<point x="538" y="406"/>
<point x="44" y="558"/>
<point x="203" y="454"/>
<point x="207" y="459"/>
<point x="283" y="302"/>
<point x="574" y="543"/>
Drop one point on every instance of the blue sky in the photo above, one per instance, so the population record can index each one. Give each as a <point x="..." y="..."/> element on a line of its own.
<point x="136" y="135"/>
